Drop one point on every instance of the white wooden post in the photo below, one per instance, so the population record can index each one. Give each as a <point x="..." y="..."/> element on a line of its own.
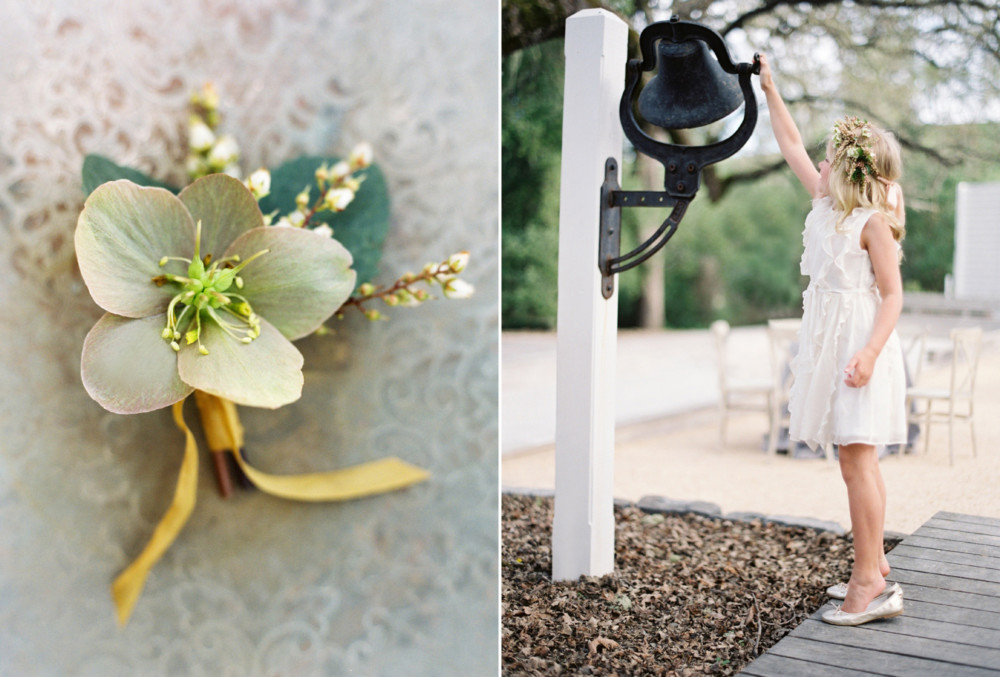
<point x="583" y="529"/>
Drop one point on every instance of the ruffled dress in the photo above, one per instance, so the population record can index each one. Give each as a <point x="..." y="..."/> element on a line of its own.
<point x="838" y="313"/>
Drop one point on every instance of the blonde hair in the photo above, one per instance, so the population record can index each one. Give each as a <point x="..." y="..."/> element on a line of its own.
<point x="852" y="185"/>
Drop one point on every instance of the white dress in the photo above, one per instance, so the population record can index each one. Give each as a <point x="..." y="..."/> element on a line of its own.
<point x="838" y="313"/>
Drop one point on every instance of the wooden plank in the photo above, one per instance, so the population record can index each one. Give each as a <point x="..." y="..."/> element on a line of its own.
<point x="773" y="665"/>
<point x="865" y="637"/>
<point x="915" y="586"/>
<point x="950" y="569"/>
<point x="904" y="550"/>
<point x="861" y="661"/>
<point x="950" y="572"/>
<point x="971" y="519"/>
<point x="960" y="536"/>
<point x="919" y="541"/>
<point x="915" y="608"/>
<point x="990" y="592"/>
<point x="965" y="527"/>
<point x="965" y="635"/>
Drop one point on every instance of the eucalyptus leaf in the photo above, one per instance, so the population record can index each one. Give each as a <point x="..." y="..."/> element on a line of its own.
<point x="361" y="228"/>
<point x="98" y="170"/>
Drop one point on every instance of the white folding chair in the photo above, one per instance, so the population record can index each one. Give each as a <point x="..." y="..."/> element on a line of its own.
<point x="736" y="394"/>
<point x="957" y="398"/>
<point x="915" y="355"/>
<point x="782" y="336"/>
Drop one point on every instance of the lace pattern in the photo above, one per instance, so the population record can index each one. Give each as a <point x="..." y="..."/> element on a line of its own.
<point x="399" y="584"/>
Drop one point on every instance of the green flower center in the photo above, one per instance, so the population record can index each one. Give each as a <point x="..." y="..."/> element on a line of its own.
<point x="206" y="295"/>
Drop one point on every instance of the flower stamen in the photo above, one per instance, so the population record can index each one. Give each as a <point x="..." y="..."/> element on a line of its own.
<point x="164" y="260"/>
<point x="204" y="291"/>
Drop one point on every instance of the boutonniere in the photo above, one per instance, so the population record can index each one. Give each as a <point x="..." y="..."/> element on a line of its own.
<point x="206" y="288"/>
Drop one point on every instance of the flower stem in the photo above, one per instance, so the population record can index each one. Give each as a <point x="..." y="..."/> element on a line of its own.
<point x="312" y="211"/>
<point x="224" y="435"/>
<point x="222" y="478"/>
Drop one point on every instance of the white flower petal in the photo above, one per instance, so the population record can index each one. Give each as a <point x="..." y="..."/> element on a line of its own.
<point x="121" y="235"/>
<point x="300" y="282"/>
<point x="267" y="372"/>
<point x="128" y="368"/>
<point x="225" y="208"/>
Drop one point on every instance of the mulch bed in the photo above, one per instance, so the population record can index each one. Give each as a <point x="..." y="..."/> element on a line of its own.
<point x="690" y="595"/>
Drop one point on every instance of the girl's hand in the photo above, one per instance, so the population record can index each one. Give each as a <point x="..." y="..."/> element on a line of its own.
<point x="859" y="369"/>
<point x="766" y="80"/>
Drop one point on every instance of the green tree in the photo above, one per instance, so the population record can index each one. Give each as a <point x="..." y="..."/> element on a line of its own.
<point x="929" y="247"/>
<point x="531" y="134"/>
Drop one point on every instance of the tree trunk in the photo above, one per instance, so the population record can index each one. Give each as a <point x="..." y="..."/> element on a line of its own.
<point x="651" y="303"/>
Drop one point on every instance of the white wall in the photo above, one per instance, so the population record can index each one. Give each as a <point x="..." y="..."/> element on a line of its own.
<point x="977" y="241"/>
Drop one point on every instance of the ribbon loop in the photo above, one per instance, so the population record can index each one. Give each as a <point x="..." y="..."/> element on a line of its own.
<point x="224" y="433"/>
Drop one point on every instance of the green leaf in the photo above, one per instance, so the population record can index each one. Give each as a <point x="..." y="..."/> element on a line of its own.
<point x="361" y="228"/>
<point x="98" y="169"/>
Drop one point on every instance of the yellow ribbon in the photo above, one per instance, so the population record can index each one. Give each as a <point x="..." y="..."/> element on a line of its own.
<point x="224" y="432"/>
<point x="127" y="587"/>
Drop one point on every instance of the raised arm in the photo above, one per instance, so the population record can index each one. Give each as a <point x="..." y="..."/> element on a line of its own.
<point x="787" y="134"/>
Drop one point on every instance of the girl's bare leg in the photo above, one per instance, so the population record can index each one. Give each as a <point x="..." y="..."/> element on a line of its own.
<point x="859" y="468"/>
<point x="883" y="563"/>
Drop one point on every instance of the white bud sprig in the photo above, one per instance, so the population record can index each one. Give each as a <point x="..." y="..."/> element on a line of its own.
<point x="209" y="153"/>
<point x="259" y="183"/>
<point x="405" y="292"/>
<point x="361" y="156"/>
<point x="224" y="152"/>
<point x="201" y="138"/>
<point x="337" y="199"/>
<point x="458" y="289"/>
<point x="205" y="104"/>
<point x="337" y="186"/>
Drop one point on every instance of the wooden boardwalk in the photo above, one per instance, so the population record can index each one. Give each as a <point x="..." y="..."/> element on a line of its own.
<point x="950" y="572"/>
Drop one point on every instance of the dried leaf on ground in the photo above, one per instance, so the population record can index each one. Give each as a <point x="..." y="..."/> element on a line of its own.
<point x="690" y="595"/>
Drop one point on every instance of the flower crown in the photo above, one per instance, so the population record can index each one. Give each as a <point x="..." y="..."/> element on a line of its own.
<point x="852" y="146"/>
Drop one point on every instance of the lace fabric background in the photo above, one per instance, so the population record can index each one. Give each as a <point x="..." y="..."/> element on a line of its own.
<point x="404" y="583"/>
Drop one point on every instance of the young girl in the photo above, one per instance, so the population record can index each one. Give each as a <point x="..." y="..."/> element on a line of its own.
<point x="849" y="385"/>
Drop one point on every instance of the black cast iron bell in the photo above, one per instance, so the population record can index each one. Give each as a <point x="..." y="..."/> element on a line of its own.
<point x="689" y="89"/>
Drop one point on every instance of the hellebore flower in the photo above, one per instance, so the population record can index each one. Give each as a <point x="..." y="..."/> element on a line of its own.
<point x="200" y="295"/>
